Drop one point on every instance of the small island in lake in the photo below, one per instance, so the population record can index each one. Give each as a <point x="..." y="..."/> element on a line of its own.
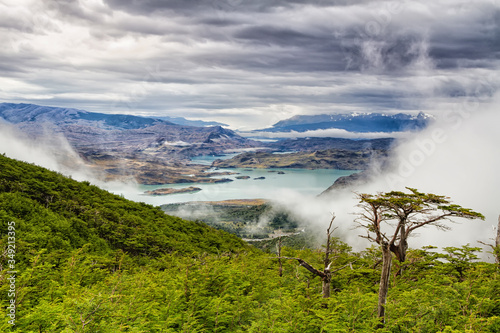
<point x="167" y="191"/>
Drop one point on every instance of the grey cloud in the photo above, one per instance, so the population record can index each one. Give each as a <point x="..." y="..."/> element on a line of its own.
<point x="275" y="35"/>
<point x="220" y="56"/>
<point x="220" y="21"/>
<point x="155" y="6"/>
<point x="461" y="52"/>
<point x="74" y="10"/>
<point x="257" y="6"/>
<point x="389" y="53"/>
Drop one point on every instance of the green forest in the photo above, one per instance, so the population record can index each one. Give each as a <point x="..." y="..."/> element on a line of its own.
<point x="240" y="219"/>
<point x="76" y="258"/>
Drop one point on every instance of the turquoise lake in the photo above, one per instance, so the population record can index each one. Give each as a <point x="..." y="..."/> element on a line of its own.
<point x="302" y="181"/>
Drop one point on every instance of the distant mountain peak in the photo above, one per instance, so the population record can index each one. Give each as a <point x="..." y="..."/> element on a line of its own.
<point x="25" y="113"/>
<point x="354" y="122"/>
<point x="187" y="122"/>
<point x="125" y="133"/>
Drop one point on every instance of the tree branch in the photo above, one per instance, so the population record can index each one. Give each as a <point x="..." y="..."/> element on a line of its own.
<point x="328" y="239"/>
<point x="435" y="219"/>
<point x="346" y="265"/>
<point x="306" y="266"/>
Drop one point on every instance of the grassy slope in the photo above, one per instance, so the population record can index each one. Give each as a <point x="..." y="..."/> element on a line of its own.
<point x="57" y="213"/>
<point x="75" y="275"/>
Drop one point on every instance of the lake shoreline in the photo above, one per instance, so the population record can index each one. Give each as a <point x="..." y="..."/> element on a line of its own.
<point x="250" y="184"/>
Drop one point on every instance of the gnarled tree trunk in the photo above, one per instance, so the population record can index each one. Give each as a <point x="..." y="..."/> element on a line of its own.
<point x="384" y="280"/>
<point x="327" y="280"/>
<point x="497" y="240"/>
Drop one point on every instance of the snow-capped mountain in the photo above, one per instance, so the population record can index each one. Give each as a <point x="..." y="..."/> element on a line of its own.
<point x="187" y="122"/>
<point x="354" y="122"/>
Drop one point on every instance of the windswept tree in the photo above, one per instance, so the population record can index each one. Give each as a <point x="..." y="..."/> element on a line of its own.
<point x="390" y="218"/>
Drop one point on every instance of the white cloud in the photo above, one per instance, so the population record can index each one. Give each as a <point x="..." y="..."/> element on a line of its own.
<point x="457" y="157"/>
<point x="328" y="133"/>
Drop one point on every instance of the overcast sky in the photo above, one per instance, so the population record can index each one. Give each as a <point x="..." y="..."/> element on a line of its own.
<point x="249" y="63"/>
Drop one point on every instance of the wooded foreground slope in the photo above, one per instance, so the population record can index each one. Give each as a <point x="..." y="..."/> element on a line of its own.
<point x="91" y="261"/>
<point x="55" y="213"/>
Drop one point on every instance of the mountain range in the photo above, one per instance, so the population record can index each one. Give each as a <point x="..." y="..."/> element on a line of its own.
<point x="150" y="150"/>
<point x="354" y="122"/>
<point x="158" y="151"/>
<point x="84" y="129"/>
<point x="187" y="122"/>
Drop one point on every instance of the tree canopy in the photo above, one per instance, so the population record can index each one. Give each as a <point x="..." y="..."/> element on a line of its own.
<point x="406" y="212"/>
<point x="389" y="219"/>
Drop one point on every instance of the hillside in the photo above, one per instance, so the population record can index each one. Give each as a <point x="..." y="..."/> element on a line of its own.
<point x="243" y="218"/>
<point x="313" y="144"/>
<point x="184" y="121"/>
<point x="92" y="131"/>
<point x="78" y="259"/>
<point x="53" y="212"/>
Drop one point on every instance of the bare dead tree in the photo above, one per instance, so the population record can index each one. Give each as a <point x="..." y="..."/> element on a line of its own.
<point x="326" y="281"/>
<point x="326" y="274"/>
<point x="497" y="242"/>
<point x="279" y="255"/>
<point x="325" y="277"/>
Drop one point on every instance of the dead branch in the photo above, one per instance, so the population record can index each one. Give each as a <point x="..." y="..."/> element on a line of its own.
<point x="306" y="266"/>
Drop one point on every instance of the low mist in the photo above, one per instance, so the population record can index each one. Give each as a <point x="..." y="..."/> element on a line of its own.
<point x="457" y="157"/>
<point x="53" y="151"/>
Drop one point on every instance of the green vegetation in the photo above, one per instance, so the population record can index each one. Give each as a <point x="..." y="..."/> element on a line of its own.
<point x="55" y="213"/>
<point x="239" y="218"/>
<point x="90" y="261"/>
<point x="301" y="240"/>
<point x="404" y="212"/>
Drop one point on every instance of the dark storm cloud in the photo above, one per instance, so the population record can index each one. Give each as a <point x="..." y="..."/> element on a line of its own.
<point x="193" y="6"/>
<point x="469" y="42"/>
<point x="232" y="56"/>
<point x="462" y="52"/>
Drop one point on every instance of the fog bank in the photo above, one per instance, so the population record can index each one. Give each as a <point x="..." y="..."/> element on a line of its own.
<point x="457" y="156"/>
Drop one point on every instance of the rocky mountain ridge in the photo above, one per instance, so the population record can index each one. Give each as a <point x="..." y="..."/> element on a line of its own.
<point x="354" y="122"/>
<point x="150" y="150"/>
<point x="155" y="151"/>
